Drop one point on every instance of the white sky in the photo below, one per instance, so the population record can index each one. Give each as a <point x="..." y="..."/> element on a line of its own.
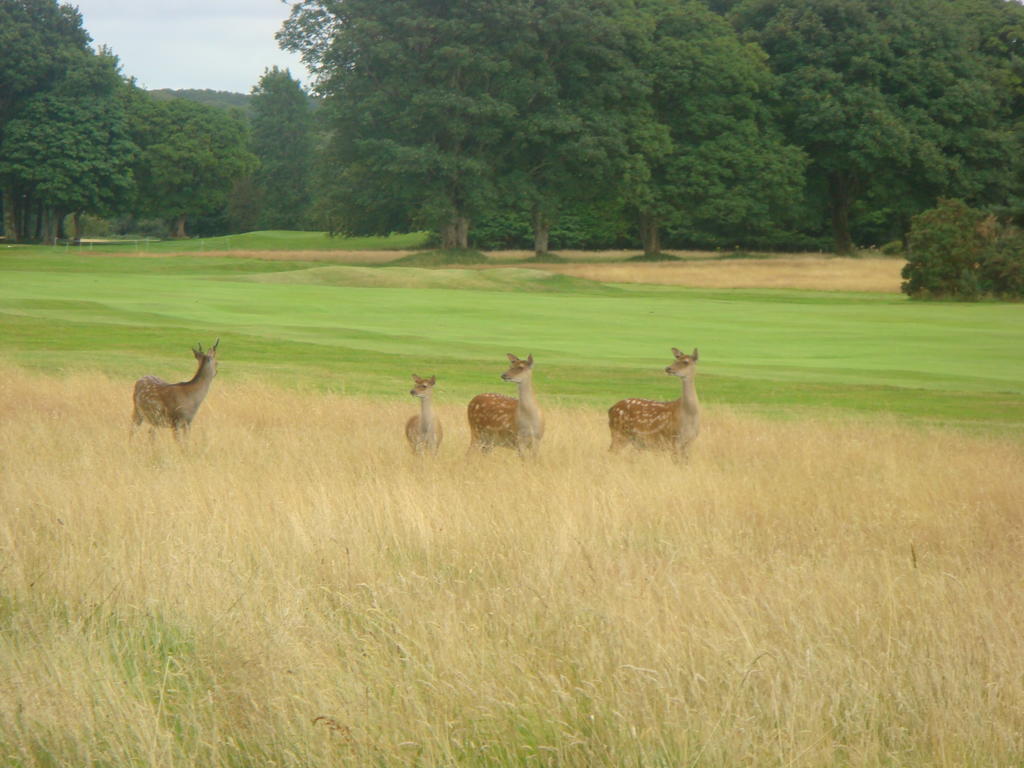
<point x="223" y="45"/>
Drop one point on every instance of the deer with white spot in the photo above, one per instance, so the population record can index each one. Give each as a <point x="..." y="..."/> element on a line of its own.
<point x="669" y="425"/>
<point x="424" y="432"/>
<point x="508" y="422"/>
<point x="174" y="405"/>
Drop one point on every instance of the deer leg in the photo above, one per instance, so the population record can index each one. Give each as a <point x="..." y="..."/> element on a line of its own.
<point x="181" y="430"/>
<point x="136" y="423"/>
<point x="619" y="441"/>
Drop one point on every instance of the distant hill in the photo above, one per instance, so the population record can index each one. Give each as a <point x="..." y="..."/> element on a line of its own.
<point x="222" y="99"/>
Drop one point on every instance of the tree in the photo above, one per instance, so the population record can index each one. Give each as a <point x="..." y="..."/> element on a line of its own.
<point x="38" y="38"/>
<point x="190" y="155"/>
<point x="578" y="89"/>
<point x="892" y="101"/>
<point x="418" y="97"/>
<point x="68" y="149"/>
<point x="713" y="158"/>
<point x="282" y="141"/>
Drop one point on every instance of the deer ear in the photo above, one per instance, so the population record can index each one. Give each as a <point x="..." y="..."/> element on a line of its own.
<point x="197" y="350"/>
<point x="415" y="377"/>
<point x="512" y="358"/>
<point x="432" y="380"/>
<point x="529" y="360"/>
<point x="695" y="355"/>
<point x="676" y="352"/>
<point x="213" y="349"/>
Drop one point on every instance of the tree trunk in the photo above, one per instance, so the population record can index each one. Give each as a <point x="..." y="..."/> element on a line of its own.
<point x="10" y="219"/>
<point x="541" y="232"/>
<point x="48" y="225"/>
<point x="37" y="234"/>
<point x="650" y="234"/>
<point x="840" y="190"/>
<point x="76" y="223"/>
<point x="179" y="227"/>
<point x="455" y="233"/>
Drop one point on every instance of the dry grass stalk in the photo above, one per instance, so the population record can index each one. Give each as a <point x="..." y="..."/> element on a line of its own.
<point x="757" y="605"/>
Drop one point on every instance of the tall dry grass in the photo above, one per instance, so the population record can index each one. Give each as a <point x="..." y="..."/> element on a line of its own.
<point x="295" y="589"/>
<point x="805" y="272"/>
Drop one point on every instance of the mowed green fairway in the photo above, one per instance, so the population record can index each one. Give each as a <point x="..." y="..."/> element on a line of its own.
<point x="363" y="330"/>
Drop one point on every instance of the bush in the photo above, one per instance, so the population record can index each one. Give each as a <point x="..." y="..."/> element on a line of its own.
<point x="944" y="253"/>
<point x="958" y="252"/>
<point x="1002" y="267"/>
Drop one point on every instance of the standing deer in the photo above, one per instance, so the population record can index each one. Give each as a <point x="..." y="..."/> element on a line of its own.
<point x="653" y="424"/>
<point x="424" y="432"/>
<point x="499" y="420"/>
<point x="174" y="405"/>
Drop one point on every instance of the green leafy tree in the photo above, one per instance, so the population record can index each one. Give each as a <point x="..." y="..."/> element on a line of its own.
<point x="68" y="149"/>
<point x="894" y="102"/>
<point x="38" y="40"/>
<point x="579" y="86"/>
<point x="713" y="158"/>
<point x="190" y="156"/>
<point x="418" y="98"/>
<point x="282" y="140"/>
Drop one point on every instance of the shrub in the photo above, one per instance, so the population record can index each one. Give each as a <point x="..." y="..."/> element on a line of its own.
<point x="893" y="248"/>
<point x="958" y="252"/>
<point x="1002" y="267"/>
<point x="944" y="254"/>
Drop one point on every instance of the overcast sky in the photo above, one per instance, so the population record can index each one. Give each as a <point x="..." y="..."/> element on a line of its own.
<point x="223" y="45"/>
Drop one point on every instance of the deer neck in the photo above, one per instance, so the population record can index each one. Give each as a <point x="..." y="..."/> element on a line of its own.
<point x="687" y="403"/>
<point x="198" y="386"/>
<point x="426" y="413"/>
<point x="528" y="407"/>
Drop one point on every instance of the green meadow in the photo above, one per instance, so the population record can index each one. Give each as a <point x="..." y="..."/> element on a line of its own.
<point x="364" y="330"/>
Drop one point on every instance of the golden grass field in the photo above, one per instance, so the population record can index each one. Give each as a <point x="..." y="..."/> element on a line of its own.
<point x="813" y="272"/>
<point x="294" y="588"/>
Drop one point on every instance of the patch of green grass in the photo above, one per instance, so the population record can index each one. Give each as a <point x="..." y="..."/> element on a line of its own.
<point x="440" y="258"/>
<point x="264" y="240"/>
<point x="510" y="279"/>
<point x="546" y="258"/>
<point x="364" y="330"/>
<point x="662" y="256"/>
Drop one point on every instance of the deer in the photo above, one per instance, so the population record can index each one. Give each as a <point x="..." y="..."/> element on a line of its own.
<point x="669" y="425"/>
<point x="424" y="432"/>
<point x="174" y="405"/>
<point x="508" y="422"/>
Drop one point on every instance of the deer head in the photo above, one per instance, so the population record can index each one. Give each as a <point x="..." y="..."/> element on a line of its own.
<point x="519" y="370"/>
<point x="422" y="387"/>
<point x="684" y="366"/>
<point x="207" y="358"/>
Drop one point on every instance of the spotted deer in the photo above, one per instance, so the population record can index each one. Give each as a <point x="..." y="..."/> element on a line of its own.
<point x="667" y="425"/>
<point x="174" y="405"/>
<point x="424" y="432"/>
<point x="499" y="420"/>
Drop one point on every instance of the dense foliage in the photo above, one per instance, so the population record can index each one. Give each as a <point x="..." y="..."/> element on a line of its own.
<point x="959" y="252"/>
<point x="822" y="124"/>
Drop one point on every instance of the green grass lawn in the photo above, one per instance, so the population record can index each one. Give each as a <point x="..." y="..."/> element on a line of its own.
<point x="364" y="330"/>
<point x="264" y="240"/>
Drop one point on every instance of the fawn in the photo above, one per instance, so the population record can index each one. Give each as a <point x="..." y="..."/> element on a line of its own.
<point x="424" y="432"/>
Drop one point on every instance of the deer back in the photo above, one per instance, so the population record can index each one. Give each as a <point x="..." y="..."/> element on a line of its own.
<point x="644" y="420"/>
<point x="493" y="416"/>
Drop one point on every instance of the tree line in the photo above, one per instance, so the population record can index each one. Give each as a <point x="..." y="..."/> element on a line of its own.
<point x="791" y="124"/>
